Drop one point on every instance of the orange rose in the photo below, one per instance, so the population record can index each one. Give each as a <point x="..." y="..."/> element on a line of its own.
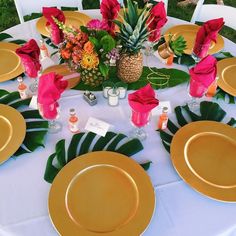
<point x="88" y="47"/>
<point x="65" y="53"/>
<point x="69" y="45"/>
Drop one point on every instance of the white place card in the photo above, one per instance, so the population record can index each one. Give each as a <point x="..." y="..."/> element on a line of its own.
<point x="158" y="110"/>
<point x="34" y="102"/>
<point x="97" y="126"/>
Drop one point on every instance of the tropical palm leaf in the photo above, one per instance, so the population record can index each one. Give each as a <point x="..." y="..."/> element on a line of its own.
<point x="36" y="127"/>
<point x="82" y="143"/>
<point x="6" y="37"/>
<point x="221" y="94"/>
<point x="208" y="111"/>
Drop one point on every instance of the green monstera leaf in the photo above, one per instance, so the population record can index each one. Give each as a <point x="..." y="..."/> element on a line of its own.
<point x="8" y="38"/>
<point x="82" y="143"/>
<point x="221" y="94"/>
<point x="36" y="127"/>
<point x="208" y="111"/>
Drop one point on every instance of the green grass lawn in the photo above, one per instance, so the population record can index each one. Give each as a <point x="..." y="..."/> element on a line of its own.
<point x="8" y="14"/>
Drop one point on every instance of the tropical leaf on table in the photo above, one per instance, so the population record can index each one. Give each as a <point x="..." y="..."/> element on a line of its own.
<point x="175" y="76"/>
<point x="208" y="111"/>
<point x="6" y="37"/>
<point x="49" y="42"/>
<point x="82" y="143"/>
<point x="36" y="127"/>
<point x="221" y="94"/>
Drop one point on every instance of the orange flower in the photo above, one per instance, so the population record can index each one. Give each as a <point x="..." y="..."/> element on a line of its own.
<point x="69" y="45"/>
<point x="89" y="60"/>
<point x="65" y="53"/>
<point x="76" y="57"/>
<point x="88" y="47"/>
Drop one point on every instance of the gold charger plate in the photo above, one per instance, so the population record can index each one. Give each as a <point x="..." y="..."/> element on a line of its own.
<point x="204" y="155"/>
<point x="189" y="33"/>
<point x="73" y="18"/>
<point x="10" y="62"/>
<point x="101" y="193"/>
<point x="13" y="129"/>
<point x="226" y="70"/>
<point x="64" y="71"/>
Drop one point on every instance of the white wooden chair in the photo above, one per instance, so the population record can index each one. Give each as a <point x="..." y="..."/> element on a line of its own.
<point x="204" y="12"/>
<point x="26" y="7"/>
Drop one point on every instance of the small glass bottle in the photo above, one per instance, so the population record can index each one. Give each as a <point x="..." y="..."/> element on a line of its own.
<point x="22" y="88"/>
<point x="211" y="91"/>
<point x="73" y="121"/>
<point x="43" y="49"/>
<point x="163" y="120"/>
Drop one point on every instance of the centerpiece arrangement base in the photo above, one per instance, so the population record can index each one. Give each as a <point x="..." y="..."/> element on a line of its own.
<point x="130" y="67"/>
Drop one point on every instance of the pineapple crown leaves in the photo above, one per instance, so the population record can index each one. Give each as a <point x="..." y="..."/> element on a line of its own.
<point x="177" y="45"/>
<point x="133" y="28"/>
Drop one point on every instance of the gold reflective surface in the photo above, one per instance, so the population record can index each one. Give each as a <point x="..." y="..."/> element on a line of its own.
<point x="204" y="155"/>
<point x="9" y="61"/>
<point x="226" y="70"/>
<point x="13" y="129"/>
<point x="101" y="193"/>
<point x="189" y="33"/>
<point x="64" y="71"/>
<point x="73" y="18"/>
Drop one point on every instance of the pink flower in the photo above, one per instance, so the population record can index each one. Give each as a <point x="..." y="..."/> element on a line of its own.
<point x="157" y="20"/>
<point x="96" y="24"/>
<point x="109" y="10"/>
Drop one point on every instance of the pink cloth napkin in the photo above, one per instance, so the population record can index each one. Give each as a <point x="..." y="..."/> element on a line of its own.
<point x="57" y="35"/>
<point x="29" y="55"/>
<point x="50" y="88"/>
<point x="157" y="20"/>
<point x="109" y="10"/>
<point x="207" y="33"/>
<point x="202" y="75"/>
<point x="142" y="102"/>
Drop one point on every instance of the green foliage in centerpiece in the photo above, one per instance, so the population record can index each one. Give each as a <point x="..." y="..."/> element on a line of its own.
<point x="208" y="111"/>
<point x="83" y="143"/>
<point x="36" y="127"/>
<point x="177" y="45"/>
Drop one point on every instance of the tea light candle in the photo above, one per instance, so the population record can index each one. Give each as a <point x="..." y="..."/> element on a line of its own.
<point x="113" y="97"/>
<point x="122" y="87"/>
<point x="106" y="86"/>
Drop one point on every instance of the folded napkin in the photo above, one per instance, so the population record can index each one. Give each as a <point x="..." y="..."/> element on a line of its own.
<point x="142" y="102"/>
<point x="207" y="33"/>
<point x="50" y="88"/>
<point x="202" y="75"/>
<point x="109" y="10"/>
<point x="156" y="21"/>
<point x="56" y="34"/>
<point x="29" y="55"/>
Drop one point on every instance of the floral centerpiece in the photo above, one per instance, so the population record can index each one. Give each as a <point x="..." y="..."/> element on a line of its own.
<point x="86" y="50"/>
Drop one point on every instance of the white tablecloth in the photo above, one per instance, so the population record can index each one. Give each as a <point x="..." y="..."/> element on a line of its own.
<point x="180" y="211"/>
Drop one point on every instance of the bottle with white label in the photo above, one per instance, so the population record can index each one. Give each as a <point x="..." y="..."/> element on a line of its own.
<point x="163" y="120"/>
<point x="22" y="88"/>
<point x="73" y="121"/>
<point x="43" y="49"/>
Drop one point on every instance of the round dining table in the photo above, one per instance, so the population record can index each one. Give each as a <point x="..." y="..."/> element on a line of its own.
<point x="179" y="209"/>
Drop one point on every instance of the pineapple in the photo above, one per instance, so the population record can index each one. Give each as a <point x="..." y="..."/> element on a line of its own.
<point x="92" y="77"/>
<point x="177" y="45"/>
<point x="133" y="33"/>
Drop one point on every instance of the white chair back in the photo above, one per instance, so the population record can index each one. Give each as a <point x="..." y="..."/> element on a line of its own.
<point x="26" y="7"/>
<point x="204" y="12"/>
